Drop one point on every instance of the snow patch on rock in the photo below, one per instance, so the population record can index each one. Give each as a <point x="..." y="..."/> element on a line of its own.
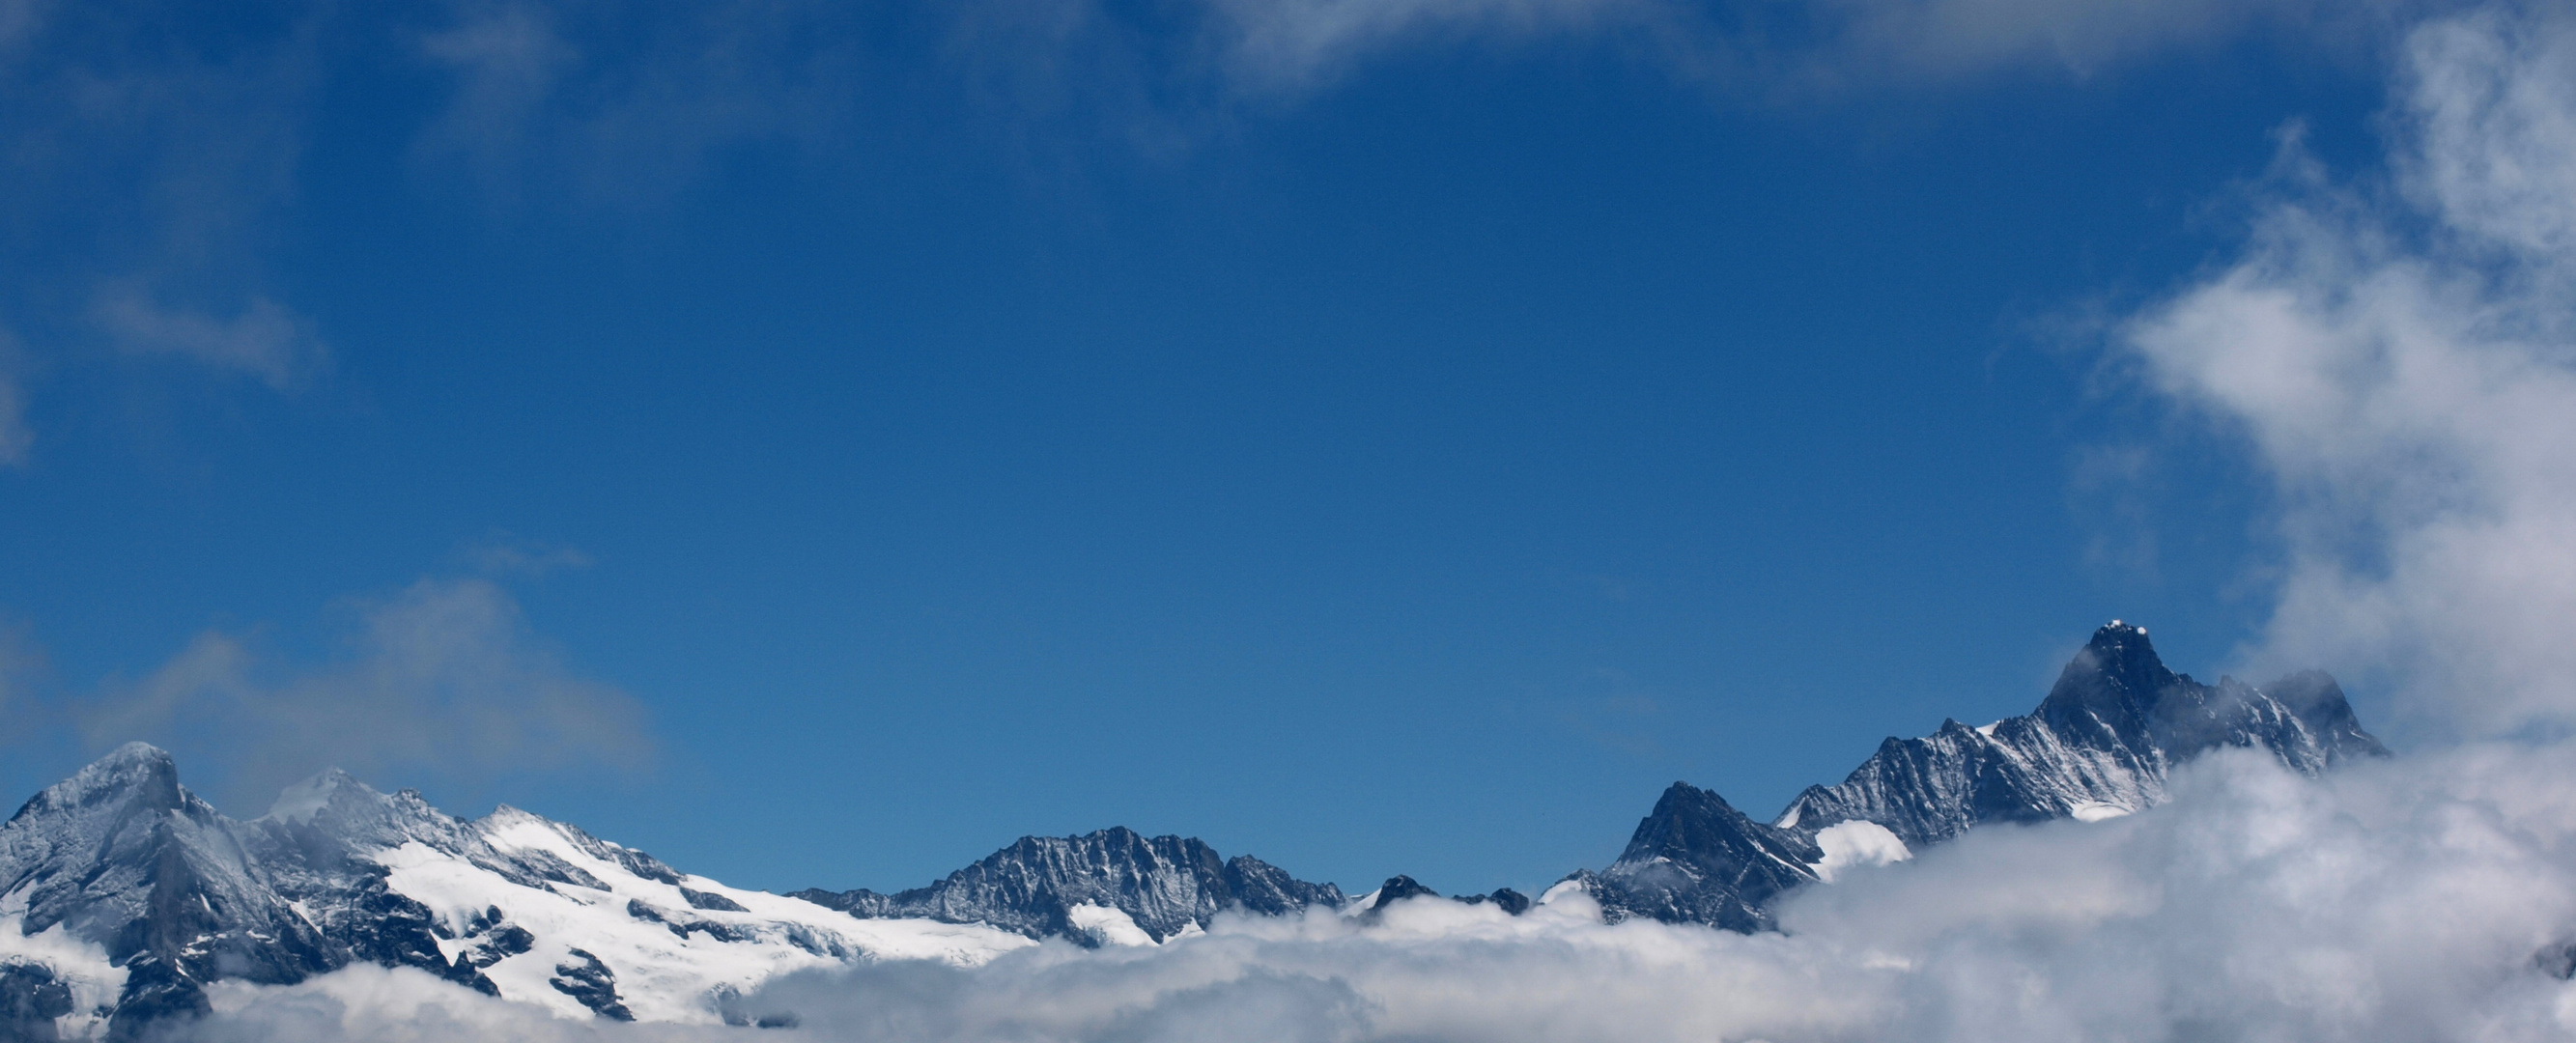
<point x="1858" y="842"/>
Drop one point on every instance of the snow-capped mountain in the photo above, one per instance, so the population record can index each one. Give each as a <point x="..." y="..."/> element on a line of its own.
<point x="1066" y="886"/>
<point x="2098" y="746"/>
<point x="122" y="895"/>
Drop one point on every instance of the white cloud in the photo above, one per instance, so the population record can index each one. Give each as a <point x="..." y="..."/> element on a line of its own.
<point x="442" y="678"/>
<point x="2404" y="365"/>
<point x="265" y="340"/>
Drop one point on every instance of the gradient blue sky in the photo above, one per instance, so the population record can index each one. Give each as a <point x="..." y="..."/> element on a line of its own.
<point x="875" y="436"/>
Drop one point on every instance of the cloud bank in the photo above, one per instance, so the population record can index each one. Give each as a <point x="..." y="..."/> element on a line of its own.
<point x="2401" y="359"/>
<point x="2397" y="901"/>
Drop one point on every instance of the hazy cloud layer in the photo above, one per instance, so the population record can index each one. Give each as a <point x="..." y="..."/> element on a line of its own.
<point x="442" y="678"/>
<point x="2402" y="360"/>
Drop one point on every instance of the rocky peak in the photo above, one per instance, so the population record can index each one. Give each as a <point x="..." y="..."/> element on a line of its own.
<point x="1398" y="888"/>
<point x="137" y="776"/>
<point x="1164" y="884"/>
<point x="1696" y="858"/>
<point x="2114" y="683"/>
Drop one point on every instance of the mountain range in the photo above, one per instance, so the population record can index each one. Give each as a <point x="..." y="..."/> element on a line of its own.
<point x="123" y="896"/>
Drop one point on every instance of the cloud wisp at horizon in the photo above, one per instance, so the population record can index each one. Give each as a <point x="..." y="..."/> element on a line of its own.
<point x="443" y="677"/>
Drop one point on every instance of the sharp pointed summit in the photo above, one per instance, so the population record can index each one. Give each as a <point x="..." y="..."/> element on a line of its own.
<point x="2111" y="688"/>
<point x="1697" y="859"/>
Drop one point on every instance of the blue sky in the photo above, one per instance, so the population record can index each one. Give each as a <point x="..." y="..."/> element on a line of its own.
<point x="818" y="448"/>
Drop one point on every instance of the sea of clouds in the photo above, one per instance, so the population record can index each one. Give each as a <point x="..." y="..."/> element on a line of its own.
<point x="2406" y="900"/>
<point x="2398" y="351"/>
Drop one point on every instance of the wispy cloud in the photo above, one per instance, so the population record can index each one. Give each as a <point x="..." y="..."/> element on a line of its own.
<point x="2402" y="361"/>
<point x="619" y="106"/>
<point x="504" y="554"/>
<point x="442" y="678"/>
<point x="1796" y="47"/>
<point x="145" y="164"/>
<point x="264" y="341"/>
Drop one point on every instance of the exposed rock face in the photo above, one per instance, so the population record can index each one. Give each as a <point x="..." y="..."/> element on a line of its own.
<point x="584" y="978"/>
<point x="30" y="1002"/>
<point x="2101" y="743"/>
<point x="1164" y="884"/>
<point x="1696" y="859"/>
<point x="120" y="855"/>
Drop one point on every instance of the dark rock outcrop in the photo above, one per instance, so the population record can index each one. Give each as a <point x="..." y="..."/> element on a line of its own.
<point x="1165" y="884"/>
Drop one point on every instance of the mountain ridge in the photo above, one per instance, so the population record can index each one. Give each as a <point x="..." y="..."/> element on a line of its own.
<point x="2100" y="744"/>
<point x="123" y="895"/>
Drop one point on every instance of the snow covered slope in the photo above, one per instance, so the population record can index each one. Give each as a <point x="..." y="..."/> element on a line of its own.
<point x="122" y="895"/>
